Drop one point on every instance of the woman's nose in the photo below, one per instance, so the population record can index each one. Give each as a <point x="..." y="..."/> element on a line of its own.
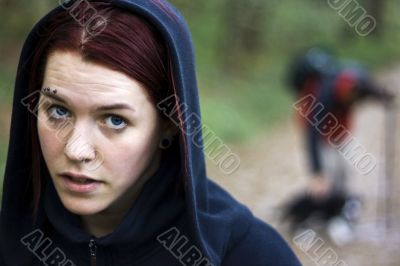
<point x="78" y="147"/>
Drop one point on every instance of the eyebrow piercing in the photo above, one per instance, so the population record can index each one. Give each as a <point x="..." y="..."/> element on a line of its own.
<point x="47" y="89"/>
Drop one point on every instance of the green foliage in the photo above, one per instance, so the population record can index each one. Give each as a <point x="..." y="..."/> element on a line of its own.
<point x="3" y="155"/>
<point x="248" y="94"/>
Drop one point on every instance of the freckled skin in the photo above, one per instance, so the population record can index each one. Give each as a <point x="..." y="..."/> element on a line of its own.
<point x="128" y="157"/>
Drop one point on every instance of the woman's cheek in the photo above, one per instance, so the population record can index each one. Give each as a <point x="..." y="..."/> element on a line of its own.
<point x="126" y="156"/>
<point x="130" y="155"/>
<point x="50" y="144"/>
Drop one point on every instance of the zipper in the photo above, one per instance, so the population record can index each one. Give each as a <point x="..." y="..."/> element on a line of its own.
<point x="93" y="252"/>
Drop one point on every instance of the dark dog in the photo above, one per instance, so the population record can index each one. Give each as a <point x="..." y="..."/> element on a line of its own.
<point x="304" y="207"/>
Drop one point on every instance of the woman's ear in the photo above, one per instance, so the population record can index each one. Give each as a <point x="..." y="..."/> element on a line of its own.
<point x="168" y="133"/>
<point x="169" y="128"/>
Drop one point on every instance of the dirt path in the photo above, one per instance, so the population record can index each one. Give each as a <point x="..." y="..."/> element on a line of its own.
<point x="272" y="169"/>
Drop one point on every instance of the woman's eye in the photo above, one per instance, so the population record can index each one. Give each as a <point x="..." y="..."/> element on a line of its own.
<point x="115" y="122"/>
<point x="57" y="112"/>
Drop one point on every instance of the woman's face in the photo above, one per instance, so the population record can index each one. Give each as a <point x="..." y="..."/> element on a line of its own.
<point x="96" y="122"/>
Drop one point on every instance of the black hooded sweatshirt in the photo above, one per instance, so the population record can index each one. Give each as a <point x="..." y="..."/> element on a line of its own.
<point x="202" y="226"/>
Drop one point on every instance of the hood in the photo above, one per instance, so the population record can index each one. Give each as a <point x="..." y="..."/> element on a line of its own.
<point x="214" y="217"/>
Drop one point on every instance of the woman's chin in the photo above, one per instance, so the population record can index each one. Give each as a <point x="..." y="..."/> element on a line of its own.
<point x="83" y="207"/>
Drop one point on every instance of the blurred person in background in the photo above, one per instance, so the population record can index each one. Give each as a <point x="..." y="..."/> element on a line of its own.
<point x="327" y="90"/>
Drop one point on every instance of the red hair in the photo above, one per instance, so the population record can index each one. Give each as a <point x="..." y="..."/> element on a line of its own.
<point x="128" y="44"/>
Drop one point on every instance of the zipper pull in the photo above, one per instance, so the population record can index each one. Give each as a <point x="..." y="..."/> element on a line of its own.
<point x="93" y="252"/>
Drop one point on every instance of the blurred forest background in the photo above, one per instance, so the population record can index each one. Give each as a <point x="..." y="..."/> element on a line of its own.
<point x="242" y="49"/>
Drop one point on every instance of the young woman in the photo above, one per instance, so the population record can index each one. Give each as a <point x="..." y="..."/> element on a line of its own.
<point x="102" y="167"/>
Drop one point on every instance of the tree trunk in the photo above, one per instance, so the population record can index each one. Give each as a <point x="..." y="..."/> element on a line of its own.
<point x="243" y="23"/>
<point x="377" y="10"/>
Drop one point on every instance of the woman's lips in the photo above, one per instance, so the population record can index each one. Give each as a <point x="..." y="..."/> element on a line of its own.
<point x="80" y="184"/>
